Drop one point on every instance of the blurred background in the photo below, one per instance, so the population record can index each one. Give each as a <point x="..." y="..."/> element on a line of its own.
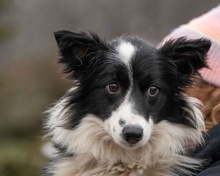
<point x="30" y="78"/>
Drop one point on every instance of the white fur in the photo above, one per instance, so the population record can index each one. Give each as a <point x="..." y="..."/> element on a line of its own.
<point x="98" y="155"/>
<point x="194" y="104"/>
<point x="126" y="51"/>
<point x="58" y="113"/>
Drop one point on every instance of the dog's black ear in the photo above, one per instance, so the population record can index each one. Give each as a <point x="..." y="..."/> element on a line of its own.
<point x="78" y="50"/>
<point x="188" y="55"/>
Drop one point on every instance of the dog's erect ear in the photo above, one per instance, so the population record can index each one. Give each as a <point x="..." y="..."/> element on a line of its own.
<point x="188" y="55"/>
<point x="78" y="49"/>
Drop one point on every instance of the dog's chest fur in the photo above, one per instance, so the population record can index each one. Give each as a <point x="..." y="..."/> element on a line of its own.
<point x="162" y="155"/>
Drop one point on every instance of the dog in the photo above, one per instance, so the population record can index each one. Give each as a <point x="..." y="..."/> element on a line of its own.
<point x="128" y="113"/>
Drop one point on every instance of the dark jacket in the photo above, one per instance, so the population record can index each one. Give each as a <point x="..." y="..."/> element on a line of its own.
<point x="210" y="152"/>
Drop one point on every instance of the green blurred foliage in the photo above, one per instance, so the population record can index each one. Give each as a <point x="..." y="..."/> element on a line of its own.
<point x="20" y="157"/>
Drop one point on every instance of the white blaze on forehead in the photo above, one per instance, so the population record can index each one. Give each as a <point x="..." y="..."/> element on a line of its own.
<point x="126" y="51"/>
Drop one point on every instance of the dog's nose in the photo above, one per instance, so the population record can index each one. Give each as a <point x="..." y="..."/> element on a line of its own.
<point x="132" y="134"/>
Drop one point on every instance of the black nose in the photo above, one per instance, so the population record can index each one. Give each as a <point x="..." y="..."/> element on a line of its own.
<point x="132" y="134"/>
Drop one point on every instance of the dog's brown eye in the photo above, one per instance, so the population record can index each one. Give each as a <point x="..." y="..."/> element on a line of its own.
<point x="113" y="88"/>
<point x="152" y="91"/>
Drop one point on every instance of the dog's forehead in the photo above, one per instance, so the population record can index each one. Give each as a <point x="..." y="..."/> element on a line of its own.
<point x="126" y="50"/>
<point x="131" y="49"/>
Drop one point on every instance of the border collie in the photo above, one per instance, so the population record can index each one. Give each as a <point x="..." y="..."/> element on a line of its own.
<point x="128" y="113"/>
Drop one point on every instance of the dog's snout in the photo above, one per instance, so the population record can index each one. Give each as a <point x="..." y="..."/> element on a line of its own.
<point x="132" y="134"/>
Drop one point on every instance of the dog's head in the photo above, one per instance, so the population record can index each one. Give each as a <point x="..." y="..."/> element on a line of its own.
<point x="129" y="85"/>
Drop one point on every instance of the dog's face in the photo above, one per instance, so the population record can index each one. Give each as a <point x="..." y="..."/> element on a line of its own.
<point x="128" y="84"/>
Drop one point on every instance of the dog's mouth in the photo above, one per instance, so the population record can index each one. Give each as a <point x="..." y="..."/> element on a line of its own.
<point x="128" y="146"/>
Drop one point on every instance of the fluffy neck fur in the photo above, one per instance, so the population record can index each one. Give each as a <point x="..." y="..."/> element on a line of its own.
<point x="97" y="153"/>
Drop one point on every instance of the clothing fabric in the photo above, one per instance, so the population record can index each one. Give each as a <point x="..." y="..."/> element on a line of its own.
<point x="210" y="152"/>
<point x="213" y="170"/>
